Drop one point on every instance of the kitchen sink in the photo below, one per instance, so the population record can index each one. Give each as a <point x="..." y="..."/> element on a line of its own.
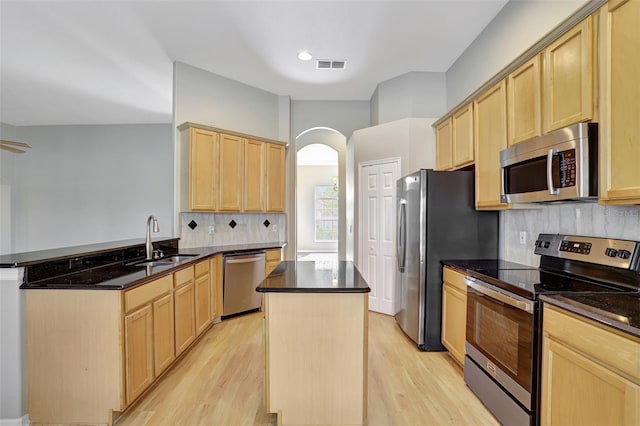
<point x="166" y="261"/>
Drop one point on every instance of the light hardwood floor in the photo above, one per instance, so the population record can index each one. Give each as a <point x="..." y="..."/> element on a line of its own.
<point x="220" y="382"/>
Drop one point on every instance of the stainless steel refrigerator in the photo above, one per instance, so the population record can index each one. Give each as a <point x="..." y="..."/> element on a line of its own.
<point x="436" y="221"/>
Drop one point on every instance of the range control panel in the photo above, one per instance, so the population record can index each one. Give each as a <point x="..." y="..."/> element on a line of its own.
<point x="603" y="251"/>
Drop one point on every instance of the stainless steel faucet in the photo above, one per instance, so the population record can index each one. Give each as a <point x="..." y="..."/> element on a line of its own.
<point x="148" y="244"/>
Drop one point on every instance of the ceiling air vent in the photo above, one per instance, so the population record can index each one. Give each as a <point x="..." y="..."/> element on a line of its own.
<point x="331" y="64"/>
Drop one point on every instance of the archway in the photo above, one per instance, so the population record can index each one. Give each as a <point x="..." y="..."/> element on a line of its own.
<point x="329" y="141"/>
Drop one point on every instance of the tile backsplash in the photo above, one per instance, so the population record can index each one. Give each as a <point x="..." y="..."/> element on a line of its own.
<point x="231" y="228"/>
<point x="588" y="219"/>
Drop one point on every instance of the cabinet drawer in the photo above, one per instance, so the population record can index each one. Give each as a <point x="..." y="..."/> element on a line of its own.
<point x="183" y="276"/>
<point x="147" y="292"/>
<point x="201" y="268"/>
<point x="273" y="255"/>
<point x="455" y="279"/>
<point x="589" y="338"/>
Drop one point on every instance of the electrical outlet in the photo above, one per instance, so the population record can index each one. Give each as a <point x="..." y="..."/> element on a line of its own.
<point x="523" y="238"/>
<point x="275" y="228"/>
<point x="212" y="229"/>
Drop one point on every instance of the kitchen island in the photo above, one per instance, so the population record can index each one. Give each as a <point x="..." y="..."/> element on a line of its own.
<point x="316" y="343"/>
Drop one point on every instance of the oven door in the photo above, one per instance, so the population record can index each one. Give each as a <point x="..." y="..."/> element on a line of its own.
<point x="500" y="337"/>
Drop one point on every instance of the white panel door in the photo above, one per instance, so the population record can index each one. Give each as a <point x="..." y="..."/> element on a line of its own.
<point x="378" y="231"/>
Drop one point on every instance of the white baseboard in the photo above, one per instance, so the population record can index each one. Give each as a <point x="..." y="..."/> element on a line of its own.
<point x="21" y="421"/>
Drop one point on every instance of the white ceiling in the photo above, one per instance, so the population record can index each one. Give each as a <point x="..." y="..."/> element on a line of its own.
<point x="100" y="62"/>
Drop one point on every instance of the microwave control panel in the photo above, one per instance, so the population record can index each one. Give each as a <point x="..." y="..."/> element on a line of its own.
<point x="567" y="160"/>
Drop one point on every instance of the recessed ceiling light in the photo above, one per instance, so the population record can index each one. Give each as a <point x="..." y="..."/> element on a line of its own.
<point x="304" y="55"/>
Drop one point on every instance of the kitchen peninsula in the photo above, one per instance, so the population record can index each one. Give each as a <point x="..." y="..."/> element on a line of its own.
<point x="316" y="343"/>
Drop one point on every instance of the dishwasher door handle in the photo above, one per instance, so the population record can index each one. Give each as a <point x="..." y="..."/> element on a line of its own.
<point x="243" y="259"/>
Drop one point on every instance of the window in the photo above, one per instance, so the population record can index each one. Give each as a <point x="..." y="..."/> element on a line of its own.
<point x="326" y="213"/>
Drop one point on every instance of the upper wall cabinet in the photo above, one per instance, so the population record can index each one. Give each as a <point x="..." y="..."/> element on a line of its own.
<point x="525" y="109"/>
<point x="223" y="171"/>
<point x="254" y="176"/>
<point x="202" y="151"/>
<point x="620" y="105"/>
<point x="454" y="140"/>
<point x="230" y="172"/>
<point x="490" y="134"/>
<point x="463" y="137"/>
<point x="275" y="177"/>
<point x="568" y="78"/>
<point x="444" y="144"/>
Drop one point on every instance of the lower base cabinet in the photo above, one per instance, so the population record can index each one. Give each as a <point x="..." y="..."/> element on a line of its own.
<point x="90" y="354"/>
<point x="454" y="313"/>
<point x="590" y="372"/>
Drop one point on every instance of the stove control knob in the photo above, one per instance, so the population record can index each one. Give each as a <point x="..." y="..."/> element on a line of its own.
<point x="547" y="244"/>
<point x="624" y="254"/>
<point x="611" y="252"/>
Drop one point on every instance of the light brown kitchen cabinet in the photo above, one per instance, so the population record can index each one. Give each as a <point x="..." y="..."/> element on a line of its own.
<point x="184" y="299"/>
<point x="590" y="372"/>
<point x="454" y="313"/>
<point x="275" y="176"/>
<point x="254" y="176"/>
<point x="444" y="145"/>
<point x="490" y="134"/>
<point x="215" y="267"/>
<point x="462" y="151"/>
<point x="203" y="169"/>
<point x="568" y="78"/>
<point x="138" y="335"/>
<point x="524" y="102"/>
<point x="163" y="333"/>
<point x="620" y="108"/>
<point x="273" y="257"/>
<point x="230" y="172"/>
<point x="202" y="292"/>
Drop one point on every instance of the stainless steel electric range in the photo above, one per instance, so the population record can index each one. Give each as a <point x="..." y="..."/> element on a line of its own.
<point x="504" y="324"/>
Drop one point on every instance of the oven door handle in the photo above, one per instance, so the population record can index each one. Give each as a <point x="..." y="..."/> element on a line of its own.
<point x="516" y="302"/>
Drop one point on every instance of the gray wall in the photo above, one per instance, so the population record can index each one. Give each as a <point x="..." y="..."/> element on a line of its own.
<point x="308" y="178"/>
<point x="206" y="98"/>
<point x="343" y="116"/>
<point x="87" y="184"/>
<point x="518" y="26"/>
<point x="414" y="94"/>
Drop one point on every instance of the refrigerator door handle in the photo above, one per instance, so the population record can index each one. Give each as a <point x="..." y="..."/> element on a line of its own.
<point x="401" y="246"/>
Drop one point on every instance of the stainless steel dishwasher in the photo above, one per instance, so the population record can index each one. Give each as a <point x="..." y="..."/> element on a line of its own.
<point x="243" y="271"/>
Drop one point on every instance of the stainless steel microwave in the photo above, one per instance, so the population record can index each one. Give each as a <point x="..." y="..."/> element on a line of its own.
<point x="561" y="165"/>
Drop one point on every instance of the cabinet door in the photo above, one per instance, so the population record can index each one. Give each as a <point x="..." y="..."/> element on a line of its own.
<point x="138" y="334"/>
<point x="163" y="333"/>
<point x="490" y="127"/>
<point x="524" y="108"/>
<point x="620" y="126"/>
<point x="254" y="176"/>
<point x="578" y="391"/>
<point x="230" y="172"/>
<point x="203" y="303"/>
<point x="581" y="383"/>
<point x="184" y="317"/>
<point x="463" y="137"/>
<point x="454" y="313"/>
<point x="216" y="284"/>
<point x="444" y="143"/>
<point x="568" y="78"/>
<point x="275" y="177"/>
<point x="203" y="157"/>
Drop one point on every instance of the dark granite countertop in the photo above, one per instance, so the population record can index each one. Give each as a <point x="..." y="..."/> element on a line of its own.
<point x="617" y="310"/>
<point x="120" y="274"/>
<point x="311" y="277"/>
